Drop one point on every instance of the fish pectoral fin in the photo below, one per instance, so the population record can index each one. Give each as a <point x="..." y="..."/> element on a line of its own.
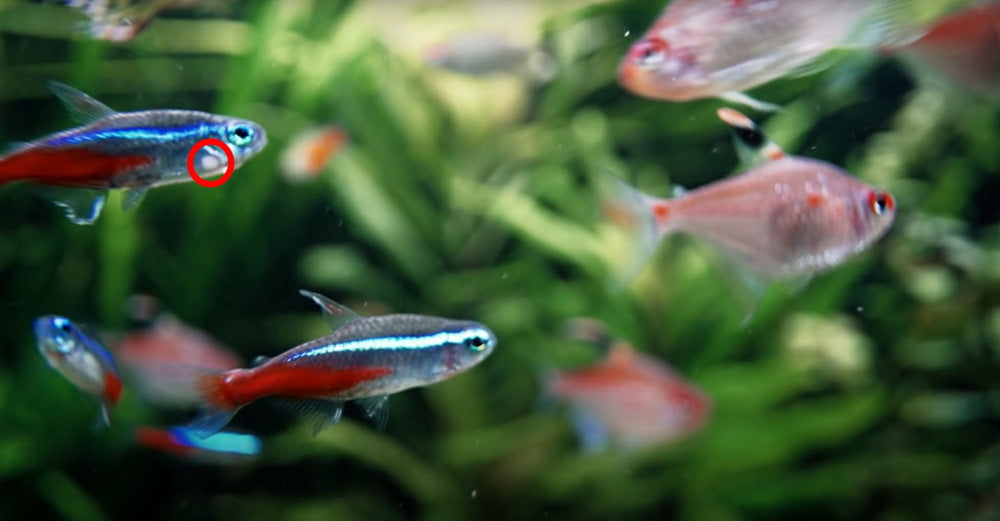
<point x="81" y="205"/>
<point x="376" y="409"/>
<point x="81" y="107"/>
<point x="748" y="101"/>
<point x="337" y="315"/>
<point x="133" y="196"/>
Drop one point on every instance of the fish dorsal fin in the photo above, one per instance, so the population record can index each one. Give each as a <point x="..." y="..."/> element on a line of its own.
<point x="888" y="24"/>
<point x="376" y="409"/>
<point x="81" y="205"/>
<point x="752" y="144"/>
<point x="337" y="315"/>
<point x="81" y="107"/>
<point x="620" y="354"/>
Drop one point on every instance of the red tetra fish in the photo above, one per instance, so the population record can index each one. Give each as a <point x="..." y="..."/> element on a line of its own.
<point x="786" y="217"/>
<point x="165" y="360"/>
<point x="634" y="399"/>
<point x="719" y="48"/>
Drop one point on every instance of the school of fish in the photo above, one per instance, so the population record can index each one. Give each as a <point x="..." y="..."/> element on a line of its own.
<point x="783" y="216"/>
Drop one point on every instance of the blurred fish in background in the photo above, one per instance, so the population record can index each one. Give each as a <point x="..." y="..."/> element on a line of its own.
<point x="80" y="358"/>
<point x="721" y="48"/>
<point x="124" y="20"/>
<point x="964" y="46"/>
<point x="163" y="357"/>
<point x="483" y="54"/>
<point x="628" y="399"/>
<point x="221" y="448"/>
<point x="310" y="151"/>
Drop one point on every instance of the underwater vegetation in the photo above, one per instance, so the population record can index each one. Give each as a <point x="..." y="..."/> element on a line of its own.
<point x="867" y="391"/>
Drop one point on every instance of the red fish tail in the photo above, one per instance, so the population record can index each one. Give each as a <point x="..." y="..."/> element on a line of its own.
<point x="218" y="404"/>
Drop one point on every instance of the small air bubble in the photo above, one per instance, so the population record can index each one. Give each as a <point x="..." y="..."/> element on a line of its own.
<point x="628" y="32"/>
<point x="474" y="493"/>
<point x="504" y="276"/>
<point x="860" y="309"/>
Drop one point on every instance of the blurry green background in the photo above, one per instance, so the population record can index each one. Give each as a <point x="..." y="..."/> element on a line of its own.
<point x="870" y="394"/>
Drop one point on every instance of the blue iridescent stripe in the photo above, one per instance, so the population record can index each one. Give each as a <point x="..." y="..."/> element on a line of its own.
<point x="222" y="442"/>
<point x="158" y="134"/>
<point x="393" y="342"/>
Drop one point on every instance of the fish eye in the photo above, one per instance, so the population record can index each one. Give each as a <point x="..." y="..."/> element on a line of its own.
<point x="881" y="202"/>
<point x="649" y="53"/>
<point x="240" y="135"/>
<point x="476" y="343"/>
<point x="63" y="325"/>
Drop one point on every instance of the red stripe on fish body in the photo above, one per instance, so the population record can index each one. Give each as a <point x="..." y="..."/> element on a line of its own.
<point x="243" y="386"/>
<point x="67" y="166"/>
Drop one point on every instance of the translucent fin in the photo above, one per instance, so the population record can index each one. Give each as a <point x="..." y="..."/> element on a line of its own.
<point x="323" y="413"/>
<point x="632" y="211"/>
<point x="81" y="107"/>
<point x="593" y="434"/>
<point x="747" y="101"/>
<point x="887" y="24"/>
<point x="211" y="422"/>
<point x="376" y="409"/>
<point x="336" y="314"/>
<point x="752" y="144"/>
<point x="133" y="196"/>
<point x="81" y="205"/>
<point x="106" y="414"/>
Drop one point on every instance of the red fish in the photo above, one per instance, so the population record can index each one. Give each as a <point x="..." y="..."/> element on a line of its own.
<point x="310" y="151"/>
<point x="165" y="360"/>
<point x="788" y="216"/>
<point x="964" y="46"/>
<point x="635" y="399"/>
<point x="719" y="48"/>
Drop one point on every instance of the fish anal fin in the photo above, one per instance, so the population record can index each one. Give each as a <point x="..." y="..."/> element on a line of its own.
<point x="337" y="315"/>
<point x="376" y="409"/>
<point x="81" y="107"/>
<point x="81" y="205"/>
<point x="323" y="413"/>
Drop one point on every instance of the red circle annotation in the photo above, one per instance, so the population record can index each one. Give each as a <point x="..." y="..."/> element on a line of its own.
<point x="230" y="165"/>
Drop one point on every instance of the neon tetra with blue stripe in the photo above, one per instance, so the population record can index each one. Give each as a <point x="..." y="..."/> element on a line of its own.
<point x="364" y="359"/>
<point x="131" y="150"/>
<point x="80" y="358"/>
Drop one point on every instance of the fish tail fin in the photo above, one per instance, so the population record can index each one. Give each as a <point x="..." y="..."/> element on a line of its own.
<point x="217" y="408"/>
<point x="644" y="219"/>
